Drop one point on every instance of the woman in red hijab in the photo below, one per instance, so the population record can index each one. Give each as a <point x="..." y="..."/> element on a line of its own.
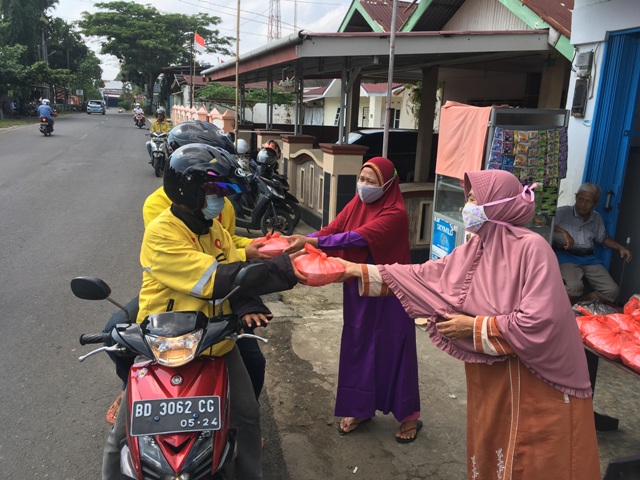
<point x="378" y="359"/>
<point x="498" y="303"/>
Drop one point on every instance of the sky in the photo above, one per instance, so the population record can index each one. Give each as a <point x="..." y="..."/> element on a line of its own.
<point x="310" y="15"/>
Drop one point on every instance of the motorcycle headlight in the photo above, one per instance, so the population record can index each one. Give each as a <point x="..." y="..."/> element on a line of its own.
<point x="174" y="351"/>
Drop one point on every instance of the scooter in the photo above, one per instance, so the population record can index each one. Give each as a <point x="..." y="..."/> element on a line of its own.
<point x="45" y="126"/>
<point x="262" y="207"/>
<point x="177" y="403"/>
<point x="139" y="120"/>
<point x="281" y="183"/>
<point x="159" y="152"/>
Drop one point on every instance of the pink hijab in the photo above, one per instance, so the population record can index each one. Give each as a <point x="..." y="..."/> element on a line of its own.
<point x="504" y="271"/>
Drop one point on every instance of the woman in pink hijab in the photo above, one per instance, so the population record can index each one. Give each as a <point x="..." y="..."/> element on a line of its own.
<point x="498" y="303"/>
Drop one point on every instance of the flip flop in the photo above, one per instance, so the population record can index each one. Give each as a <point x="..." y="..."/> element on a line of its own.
<point x="355" y="426"/>
<point x="410" y="439"/>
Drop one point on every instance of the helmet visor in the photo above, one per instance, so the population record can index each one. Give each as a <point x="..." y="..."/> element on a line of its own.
<point x="222" y="189"/>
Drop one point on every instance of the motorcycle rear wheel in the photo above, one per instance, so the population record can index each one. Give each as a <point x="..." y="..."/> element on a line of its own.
<point x="282" y="221"/>
<point x="295" y="210"/>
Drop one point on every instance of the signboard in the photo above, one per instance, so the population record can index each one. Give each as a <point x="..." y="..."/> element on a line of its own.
<point x="444" y="238"/>
<point x="79" y="92"/>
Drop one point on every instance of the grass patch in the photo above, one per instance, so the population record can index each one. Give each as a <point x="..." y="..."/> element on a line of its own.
<point x="14" y="122"/>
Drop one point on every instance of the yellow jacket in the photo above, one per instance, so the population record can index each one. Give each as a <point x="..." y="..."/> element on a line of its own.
<point x="179" y="269"/>
<point x="160" y="127"/>
<point x="158" y="201"/>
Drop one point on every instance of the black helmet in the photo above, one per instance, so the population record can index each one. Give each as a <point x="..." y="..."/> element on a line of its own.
<point x="197" y="131"/>
<point x="267" y="156"/>
<point x="197" y="170"/>
<point x="274" y="145"/>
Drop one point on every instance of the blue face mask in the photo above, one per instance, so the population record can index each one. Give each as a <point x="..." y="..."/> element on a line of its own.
<point x="214" y="206"/>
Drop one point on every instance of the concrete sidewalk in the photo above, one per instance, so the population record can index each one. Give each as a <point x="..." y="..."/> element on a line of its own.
<point x="302" y="365"/>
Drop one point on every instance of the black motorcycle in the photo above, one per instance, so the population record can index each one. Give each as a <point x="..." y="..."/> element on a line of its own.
<point x="45" y="126"/>
<point x="159" y="152"/>
<point x="262" y="207"/>
<point x="281" y="183"/>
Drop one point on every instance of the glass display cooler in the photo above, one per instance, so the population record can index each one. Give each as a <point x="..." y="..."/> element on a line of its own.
<point x="530" y="143"/>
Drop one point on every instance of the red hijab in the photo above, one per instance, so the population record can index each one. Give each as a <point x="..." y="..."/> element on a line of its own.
<point x="384" y="223"/>
<point x="505" y="271"/>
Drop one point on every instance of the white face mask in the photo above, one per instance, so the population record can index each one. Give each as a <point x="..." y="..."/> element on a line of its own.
<point x="214" y="206"/>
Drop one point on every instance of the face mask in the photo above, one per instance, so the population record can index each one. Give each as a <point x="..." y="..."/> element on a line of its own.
<point x="369" y="194"/>
<point x="215" y="204"/>
<point x="474" y="216"/>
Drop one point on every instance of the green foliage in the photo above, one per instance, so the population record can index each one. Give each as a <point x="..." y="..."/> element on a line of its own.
<point x="226" y="94"/>
<point x="145" y="40"/>
<point x="37" y="49"/>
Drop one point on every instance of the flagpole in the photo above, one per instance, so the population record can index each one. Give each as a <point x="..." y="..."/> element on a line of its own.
<point x="235" y="136"/>
<point x="193" y="70"/>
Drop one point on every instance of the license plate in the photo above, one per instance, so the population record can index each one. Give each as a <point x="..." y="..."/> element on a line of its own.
<point x="175" y="415"/>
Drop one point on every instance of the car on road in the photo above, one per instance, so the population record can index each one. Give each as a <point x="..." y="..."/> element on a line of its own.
<point x="401" y="149"/>
<point x="95" y="106"/>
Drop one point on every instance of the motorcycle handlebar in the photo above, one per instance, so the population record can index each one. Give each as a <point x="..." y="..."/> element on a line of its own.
<point x="87" y="338"/>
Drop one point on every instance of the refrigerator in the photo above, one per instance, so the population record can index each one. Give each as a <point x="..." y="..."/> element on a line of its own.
<point x="530" y="143"/>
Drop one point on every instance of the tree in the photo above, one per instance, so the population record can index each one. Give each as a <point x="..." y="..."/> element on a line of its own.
<point x="226" y="95"/>
<point x="145" y="40"/>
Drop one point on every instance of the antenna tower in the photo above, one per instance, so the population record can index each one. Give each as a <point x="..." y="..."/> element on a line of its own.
<point x="274" y="20"/>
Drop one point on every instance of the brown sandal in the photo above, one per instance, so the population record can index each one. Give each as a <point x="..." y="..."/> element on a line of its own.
<point x="112" y="413"/>
<point x="351" y="426"/>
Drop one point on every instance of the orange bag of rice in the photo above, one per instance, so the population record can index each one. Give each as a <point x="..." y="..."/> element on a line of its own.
<point x="317" y="267"/>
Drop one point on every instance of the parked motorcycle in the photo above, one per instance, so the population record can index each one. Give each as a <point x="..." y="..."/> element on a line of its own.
<point x="262" y="207"/>
<point x="177" y="403"/>
<point x="281" y="182"/>
<point x="139" y="120"/>
<point x="45" y="126"/>
<point x="159" y="152"/>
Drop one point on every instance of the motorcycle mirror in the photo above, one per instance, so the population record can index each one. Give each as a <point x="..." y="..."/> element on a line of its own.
<point x="94" y="288"/>
<point x="90" y="288"/>
<point x="252" y="275"/>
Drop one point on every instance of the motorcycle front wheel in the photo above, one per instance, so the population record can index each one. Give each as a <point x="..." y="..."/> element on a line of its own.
<point x="158" y="166"/>
<point x="280" y="222"/>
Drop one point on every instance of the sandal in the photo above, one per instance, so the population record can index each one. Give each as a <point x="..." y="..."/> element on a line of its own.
<point x="350" y="426"/>
<point x="410" y="439"/>
<point x="112" y="413"/>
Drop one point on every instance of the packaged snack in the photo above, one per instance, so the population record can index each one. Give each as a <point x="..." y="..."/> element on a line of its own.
<point x="317" y="267"/>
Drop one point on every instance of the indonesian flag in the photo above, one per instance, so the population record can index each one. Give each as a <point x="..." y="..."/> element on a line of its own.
<point x="198" y="42"/>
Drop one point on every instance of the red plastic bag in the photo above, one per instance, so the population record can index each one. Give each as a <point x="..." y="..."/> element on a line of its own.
<point x="626" y="322"/>
<point x="317" y="267"/>
<point x="632" y="307"/>
<point x="592" y="323"/>
<point x="274" y="244"/>
<point x="630" y="355"/>
<point x="608" y="342"/>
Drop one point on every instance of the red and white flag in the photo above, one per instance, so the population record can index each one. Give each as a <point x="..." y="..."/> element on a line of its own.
<point x="198" y="42"/>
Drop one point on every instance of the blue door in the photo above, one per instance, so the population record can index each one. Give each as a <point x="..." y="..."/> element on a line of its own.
<point x="613" y="122"/>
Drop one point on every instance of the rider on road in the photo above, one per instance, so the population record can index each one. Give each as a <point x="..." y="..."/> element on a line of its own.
<point x="159" y="125"/>
<point x="45" y="111"/>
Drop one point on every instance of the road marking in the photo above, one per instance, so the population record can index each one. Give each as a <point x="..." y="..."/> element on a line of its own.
<point x="84" y="136"/>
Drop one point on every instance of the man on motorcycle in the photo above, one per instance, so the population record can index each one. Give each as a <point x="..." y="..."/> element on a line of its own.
<point x="188" y="261"/>
<point x="45" y="111"/>
<point x="137" y="110"/>
<point x="159" y="125"/>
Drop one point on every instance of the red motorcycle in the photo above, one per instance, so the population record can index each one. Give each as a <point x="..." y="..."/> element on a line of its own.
<point x="139" y="120"/>
<point x="177" y="403"/>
